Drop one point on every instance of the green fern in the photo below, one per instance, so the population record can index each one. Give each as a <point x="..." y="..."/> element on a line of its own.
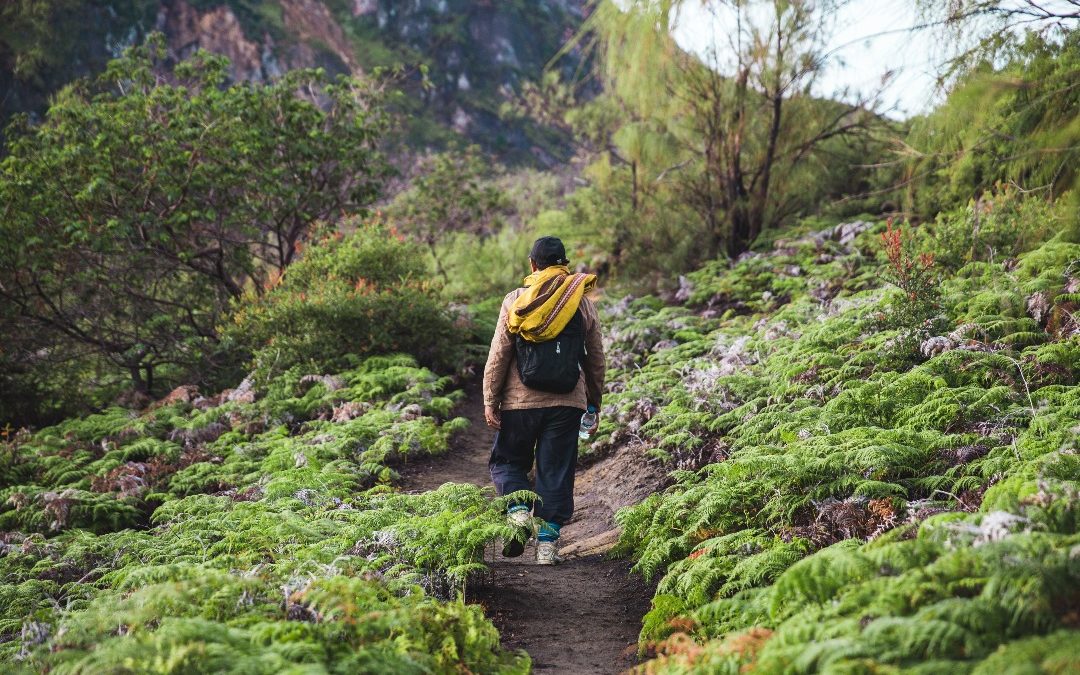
<point x="839" y="515"/>
<point x="259" y="548"/>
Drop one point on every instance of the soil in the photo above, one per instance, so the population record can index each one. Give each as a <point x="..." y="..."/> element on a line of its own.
<point x="583" y="615"/>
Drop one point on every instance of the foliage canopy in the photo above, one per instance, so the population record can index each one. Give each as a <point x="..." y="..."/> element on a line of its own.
<point x="148" y="199"/>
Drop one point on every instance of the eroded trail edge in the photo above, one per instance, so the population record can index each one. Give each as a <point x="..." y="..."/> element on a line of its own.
<point x="584" y="615"/>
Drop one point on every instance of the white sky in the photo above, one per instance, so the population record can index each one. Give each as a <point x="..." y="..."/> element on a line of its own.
<point x="872" y="38"/>
<point x="862" y="56"/>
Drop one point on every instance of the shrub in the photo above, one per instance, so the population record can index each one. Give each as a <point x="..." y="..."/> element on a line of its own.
<point x="1013" y="121"/>
<point x="997" y="226"/>
<point x="915" y="275"/>
<point x="150" y="198"/>
<point x="357" y="294"/>
<point x="841" y="502"/>
<point x="485" y="267"/>
<point x="450" y="194"/>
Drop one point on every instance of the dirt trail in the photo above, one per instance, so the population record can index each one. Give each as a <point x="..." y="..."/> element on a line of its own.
<point x="582" y="616"/>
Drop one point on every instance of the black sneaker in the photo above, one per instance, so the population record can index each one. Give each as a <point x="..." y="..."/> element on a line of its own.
<point x="521" y="521"/>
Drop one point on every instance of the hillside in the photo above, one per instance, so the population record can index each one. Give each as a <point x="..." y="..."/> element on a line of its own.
<point x="476" y="54"/>
<point x="246" y="306"/>
<point x="859" y="482"/>
<point x="862" y="484"/>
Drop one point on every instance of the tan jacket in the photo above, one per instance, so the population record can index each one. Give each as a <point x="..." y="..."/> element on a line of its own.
<point x="503" y="388"/>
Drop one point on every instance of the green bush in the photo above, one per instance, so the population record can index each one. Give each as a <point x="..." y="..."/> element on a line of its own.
<point x="357" y="294"/>
<point x="481" y="268"/>
<point x="1010" y="121"/>
<point x="149" y="199"/>
<point x="999" y="225"/>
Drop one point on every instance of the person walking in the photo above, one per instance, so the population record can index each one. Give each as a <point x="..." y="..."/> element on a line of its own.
<point x="544" y="370"/>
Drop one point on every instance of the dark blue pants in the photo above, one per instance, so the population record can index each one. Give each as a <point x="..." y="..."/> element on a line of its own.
<point x="550" y="437"/>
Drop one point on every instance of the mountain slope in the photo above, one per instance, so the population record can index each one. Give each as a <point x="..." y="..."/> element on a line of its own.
<point x="463" y="58"/>
<point x="869" y="477"/>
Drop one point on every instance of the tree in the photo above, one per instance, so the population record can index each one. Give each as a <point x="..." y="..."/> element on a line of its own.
<point x="742" y="112"/>
<point x="1010" y="116"/>
<point x="149" y="198"/>
<point x="997" y="16"/>
<point x="449" y="194"/>
<point x="1016" y="123"/>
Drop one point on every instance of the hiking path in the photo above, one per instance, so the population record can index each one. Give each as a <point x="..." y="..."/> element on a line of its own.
<point x="583" y="615"/>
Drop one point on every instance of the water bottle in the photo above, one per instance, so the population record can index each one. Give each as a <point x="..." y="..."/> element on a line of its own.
<point x="588" y="422"/>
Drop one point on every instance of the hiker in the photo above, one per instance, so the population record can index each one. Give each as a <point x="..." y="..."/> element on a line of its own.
<point x="545" y="368"/>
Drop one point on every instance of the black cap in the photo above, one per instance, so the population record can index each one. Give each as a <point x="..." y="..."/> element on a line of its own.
<point x="548" y="251"/>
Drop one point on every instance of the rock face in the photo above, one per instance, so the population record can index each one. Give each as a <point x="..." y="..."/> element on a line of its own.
<point x="309" y="35"/>
<point x="476" y="53"/>
<point x="313" y="23"/>
<point x="216" y="30"/>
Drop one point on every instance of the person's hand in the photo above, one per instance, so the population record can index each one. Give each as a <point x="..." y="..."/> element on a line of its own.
<point x="492" y="417"/>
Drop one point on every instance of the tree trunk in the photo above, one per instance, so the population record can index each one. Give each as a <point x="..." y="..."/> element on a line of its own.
<point x="618" y="246"/>
<point x="760" y="193"/>
<point x="137" y="381"/>
<point x="742" y="231"/>
<point x="438" y="263"/>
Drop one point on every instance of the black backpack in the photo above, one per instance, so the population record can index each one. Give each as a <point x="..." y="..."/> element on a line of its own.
<point x="555" y="365"/>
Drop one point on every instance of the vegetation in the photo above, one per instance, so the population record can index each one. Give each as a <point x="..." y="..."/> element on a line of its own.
<point x="237" y="531"/>
<point x="808" y="411"/>
<point x="736" y="126"/>
<point x="853" y="342"/>
<point x="451" y="194"/>
<point x="143" y="205"/>
<point x="351" y="295"/>
<point x="38" y="55"/>
<point x="1014" y="124"/>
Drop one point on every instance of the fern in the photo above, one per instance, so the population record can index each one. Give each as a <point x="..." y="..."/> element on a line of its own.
<point x="264" y="551"/>
<point x="852" y="510"/>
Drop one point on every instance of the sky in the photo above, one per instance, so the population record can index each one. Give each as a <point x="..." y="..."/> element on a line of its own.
<point x="862" y="54"/>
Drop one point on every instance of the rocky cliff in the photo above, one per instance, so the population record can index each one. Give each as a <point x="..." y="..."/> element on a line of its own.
<point x="283" y="35"/>
<point x="462" y="58"/>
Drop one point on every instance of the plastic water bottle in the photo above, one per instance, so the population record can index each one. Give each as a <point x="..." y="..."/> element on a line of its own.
<point x="588" y="422"/>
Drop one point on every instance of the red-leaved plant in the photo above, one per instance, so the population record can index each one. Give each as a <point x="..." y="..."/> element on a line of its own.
<point x="913" y="273"/>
